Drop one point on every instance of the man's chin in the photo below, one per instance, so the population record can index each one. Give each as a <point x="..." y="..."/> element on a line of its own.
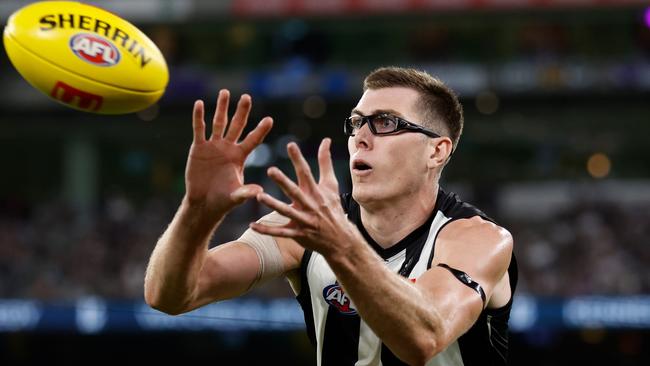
<point x="363" y="195"/>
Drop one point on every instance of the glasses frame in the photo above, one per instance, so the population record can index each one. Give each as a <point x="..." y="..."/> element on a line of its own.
<point x="402" y="125"/>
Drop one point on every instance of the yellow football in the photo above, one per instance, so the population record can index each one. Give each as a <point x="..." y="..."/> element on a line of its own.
<point x="85" y="57"/>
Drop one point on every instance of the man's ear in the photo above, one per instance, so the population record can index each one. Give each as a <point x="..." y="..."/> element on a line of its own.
<point x="440" y="150"/>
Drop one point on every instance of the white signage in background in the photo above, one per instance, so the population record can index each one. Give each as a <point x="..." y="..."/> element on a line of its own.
<point x="524" y="313"/>
<point x="19" y="315"/>
<point x="231" y="315"/>
<point x="91" y="315"/>
<point x="603" y="312"/>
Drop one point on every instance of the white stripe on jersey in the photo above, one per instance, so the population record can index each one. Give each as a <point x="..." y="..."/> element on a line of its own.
<point x="369" y="343"/>
<point x="319" y="275"/>
<point x="438" y="222"/>
<point x="369" y="347"/>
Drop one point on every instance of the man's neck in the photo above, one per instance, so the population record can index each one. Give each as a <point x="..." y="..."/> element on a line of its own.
<point x="389" y="223"/>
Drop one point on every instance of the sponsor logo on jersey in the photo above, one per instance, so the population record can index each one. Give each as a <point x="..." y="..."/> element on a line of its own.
<point x="335" y="296"/>
<point x="94" y="49"/>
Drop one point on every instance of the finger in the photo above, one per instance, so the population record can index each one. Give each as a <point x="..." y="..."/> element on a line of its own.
<point x="238" y="121"/>
<point x="245" y="192"/>
<point x="284" y="209"/>
<point x="279" y="231"/>
<point x="255" y="137"/>
<point x="303" y="172"/>
<point x="290" y="189"/>
<point x="220" y="119"/>
<point x="198" y="126"/>
<point x="325" y="166"/>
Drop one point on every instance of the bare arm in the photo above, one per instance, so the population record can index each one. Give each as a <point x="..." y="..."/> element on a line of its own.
<point x="416" y="321"/>
<point x="182" y="274"/>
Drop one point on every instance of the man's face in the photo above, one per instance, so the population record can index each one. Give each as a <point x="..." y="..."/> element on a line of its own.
<point x="389" y="166"/>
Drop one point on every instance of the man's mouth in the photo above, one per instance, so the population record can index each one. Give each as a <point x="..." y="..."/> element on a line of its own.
<point x="360" y="166"/>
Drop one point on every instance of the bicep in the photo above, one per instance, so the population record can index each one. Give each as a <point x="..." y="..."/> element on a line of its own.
<point x="457" y="306"/>
<point x="480" y="249"/>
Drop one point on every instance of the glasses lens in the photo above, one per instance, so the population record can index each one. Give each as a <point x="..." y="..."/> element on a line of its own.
<point x="352" y="125"/>
<point x="384" y="123"/>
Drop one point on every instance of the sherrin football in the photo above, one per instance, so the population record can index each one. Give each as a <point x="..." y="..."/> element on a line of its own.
<point x="85" y="57"/>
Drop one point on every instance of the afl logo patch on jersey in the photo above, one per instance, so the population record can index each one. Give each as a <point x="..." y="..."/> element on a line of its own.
<point x="334" y="295"/>
<point x="94" y="49"/>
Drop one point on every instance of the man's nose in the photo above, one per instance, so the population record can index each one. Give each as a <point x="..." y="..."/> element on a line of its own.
<point x="363" y="136"/>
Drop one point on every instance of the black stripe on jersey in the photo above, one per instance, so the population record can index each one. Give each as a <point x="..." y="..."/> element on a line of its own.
<point x="341" y="339"/>
<point x="388" y="358"/>
<point x="486" y="342"/>
<point x="304" y="298"/>
<point x="451" y="206"/>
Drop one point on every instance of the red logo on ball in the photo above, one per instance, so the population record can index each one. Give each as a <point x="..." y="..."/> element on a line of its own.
<point x="94" y="49"/>
<point x="69" y="95"/>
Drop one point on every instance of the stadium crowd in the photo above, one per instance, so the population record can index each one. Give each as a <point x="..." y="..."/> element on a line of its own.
<point x="54" y="252"/>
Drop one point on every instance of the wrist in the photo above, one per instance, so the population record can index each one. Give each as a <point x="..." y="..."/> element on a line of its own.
<point x="202" y="210"/>
<point x="199" y="218"/>
<point x="352" y="252"/>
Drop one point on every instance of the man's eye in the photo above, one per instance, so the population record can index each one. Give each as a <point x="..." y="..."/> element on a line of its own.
<point x="383" y="123"/>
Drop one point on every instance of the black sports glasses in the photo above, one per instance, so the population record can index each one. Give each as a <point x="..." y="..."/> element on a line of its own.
<point x="383" y="124"/>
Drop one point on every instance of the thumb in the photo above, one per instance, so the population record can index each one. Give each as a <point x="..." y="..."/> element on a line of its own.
<point x="245" y="192"/>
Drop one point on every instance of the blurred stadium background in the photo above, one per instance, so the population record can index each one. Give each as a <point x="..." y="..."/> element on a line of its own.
<point x="556" y="148"/>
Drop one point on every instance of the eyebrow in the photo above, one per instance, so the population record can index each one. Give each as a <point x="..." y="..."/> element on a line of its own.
<point x="378" y="111"/>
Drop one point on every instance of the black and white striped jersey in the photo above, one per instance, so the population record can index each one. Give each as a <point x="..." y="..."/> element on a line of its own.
<point x="342" y="338"/>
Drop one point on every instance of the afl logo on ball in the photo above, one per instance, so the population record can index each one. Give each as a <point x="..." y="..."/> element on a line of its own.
<point x="94" y="49"/>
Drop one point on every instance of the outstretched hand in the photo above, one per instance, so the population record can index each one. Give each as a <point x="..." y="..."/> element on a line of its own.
<point x="214" y="175"/>
<point x="318" y="221"/>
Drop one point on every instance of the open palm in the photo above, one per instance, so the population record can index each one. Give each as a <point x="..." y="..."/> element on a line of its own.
<point x="214" y="175"/>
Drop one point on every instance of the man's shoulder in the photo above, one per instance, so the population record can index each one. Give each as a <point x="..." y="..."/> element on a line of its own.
<point x="477" y="227"/>
<point x="476" y="237"/>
